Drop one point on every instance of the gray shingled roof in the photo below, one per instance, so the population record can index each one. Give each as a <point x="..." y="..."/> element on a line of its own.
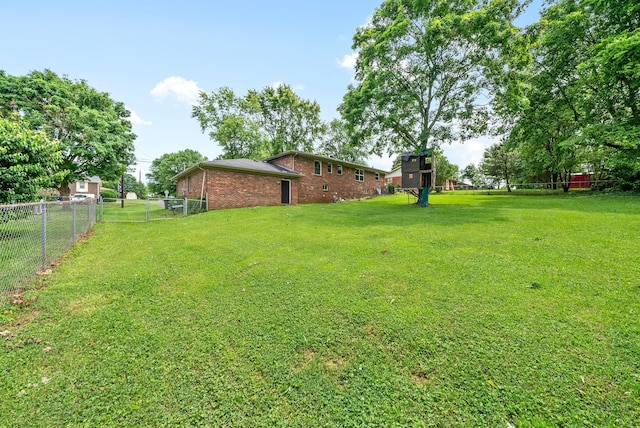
<point x="243" y="165"/>
<point x="247" y="164"/>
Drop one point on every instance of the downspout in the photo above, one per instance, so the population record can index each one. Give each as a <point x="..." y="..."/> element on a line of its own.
<point x="204" y="176"/>
<point x="293" y="160"/>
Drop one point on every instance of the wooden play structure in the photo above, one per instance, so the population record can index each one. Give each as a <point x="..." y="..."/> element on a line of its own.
<point x="419" y="174"/>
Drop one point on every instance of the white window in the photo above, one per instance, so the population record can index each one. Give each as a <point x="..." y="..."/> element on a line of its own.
<point x="359" y="175"/>
<point x="325" y="187"/>
<point x="377" y="176"/>
<point x="317" y="167"/>
<point x="329" y="168"/>
<point x="340" y="169"/>
<point x="81" y="186"/>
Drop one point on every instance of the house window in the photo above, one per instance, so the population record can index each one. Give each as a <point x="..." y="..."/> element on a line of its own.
<point x="189" y="183"/>
<point x="377" y="176"/>
<point x="359" y="175"/>
<point x="340" y="169"/>
<point x="81" y="186"/>
<point x="329" y="168"/>
<point x="325" y="187"/>
<point x="317" y="167"/>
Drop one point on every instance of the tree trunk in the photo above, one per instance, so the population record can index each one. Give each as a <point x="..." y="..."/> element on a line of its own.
<point x="64" y="191"/>
<point x="554" y="180"/>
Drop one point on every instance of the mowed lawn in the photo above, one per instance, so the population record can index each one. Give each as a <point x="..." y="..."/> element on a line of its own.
<point x="476" y="311"/>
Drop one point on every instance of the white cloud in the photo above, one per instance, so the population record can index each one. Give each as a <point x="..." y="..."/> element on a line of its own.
<point x="135" y="119"/>
<point x="348" y="61"/>
<point x="185" y="91"/>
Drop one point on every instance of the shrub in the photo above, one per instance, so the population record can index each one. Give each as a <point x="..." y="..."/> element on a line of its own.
<point x="108" y="193"/>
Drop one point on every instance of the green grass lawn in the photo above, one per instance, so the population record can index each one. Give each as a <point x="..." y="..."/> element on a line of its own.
<point x="476" y="311"/>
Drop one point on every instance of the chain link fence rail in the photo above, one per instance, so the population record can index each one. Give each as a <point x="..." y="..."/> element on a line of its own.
<point x="34" y="235"/>
<point x="143" y="210"/>
<point x="529" y="188"/>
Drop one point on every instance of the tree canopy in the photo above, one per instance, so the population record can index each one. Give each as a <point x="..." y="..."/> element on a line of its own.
<point x="419" y="72"/>
<point x="168" y="165"/>
<point x="29" y="161"/>
<point x="500" y="163"/>
<point x="260" y="124"/>
<point x="337" y="144"/>
<point x="576" y="102"/>
<point x="92" y="130"/>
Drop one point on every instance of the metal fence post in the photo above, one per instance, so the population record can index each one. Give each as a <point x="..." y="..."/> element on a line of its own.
<point x="44" y="234"/>
<point x="73" y="221"/>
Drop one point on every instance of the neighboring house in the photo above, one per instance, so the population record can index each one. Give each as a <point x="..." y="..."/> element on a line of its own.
<point x="89" y="187"/>
<point x="581" y="180"/>
<point x="395" y="177"/>
<point x="292" y="178"/>
<point x="450" y="184"/>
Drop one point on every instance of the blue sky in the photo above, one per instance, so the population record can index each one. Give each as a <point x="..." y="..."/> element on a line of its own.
<point x="155" y="56"/>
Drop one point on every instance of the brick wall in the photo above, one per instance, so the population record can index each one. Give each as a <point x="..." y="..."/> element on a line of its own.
<point x="345" y="186"/>
<point x="229" y="189"/>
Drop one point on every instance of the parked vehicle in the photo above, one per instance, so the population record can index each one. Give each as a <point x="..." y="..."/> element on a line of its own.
<point x="80" y="197"/>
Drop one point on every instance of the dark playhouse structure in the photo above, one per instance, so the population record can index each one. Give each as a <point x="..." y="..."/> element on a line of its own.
<point x="419" y="174"/>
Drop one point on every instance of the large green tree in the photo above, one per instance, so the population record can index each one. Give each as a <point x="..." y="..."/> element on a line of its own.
<point x="337" y="144"/>
<point x="445" y="169"/>
<point x="28" y="161"/>
<point x="259" y="124"/>
<point x="419" y="72"/>
<point x="92" y="129"/>
<point x="232" y="122"/>
<point x="290" y="122"/>
<point x="579" y="96"/>
<point x="168" y="165"/>
<point x="501" y="163"/>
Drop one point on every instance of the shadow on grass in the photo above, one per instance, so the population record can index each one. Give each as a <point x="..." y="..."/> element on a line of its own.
<point x="395" y="211"/>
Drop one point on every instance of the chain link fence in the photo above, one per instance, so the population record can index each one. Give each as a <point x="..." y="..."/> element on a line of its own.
<point x="143" y="210"/>
<point x="34" y="235"/>
<point x="532" y="188"/>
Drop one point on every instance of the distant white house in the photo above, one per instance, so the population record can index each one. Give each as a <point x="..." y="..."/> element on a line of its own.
<point x="395" y="177"/>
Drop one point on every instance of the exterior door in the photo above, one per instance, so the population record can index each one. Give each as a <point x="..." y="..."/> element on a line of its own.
<point x="285" y="186"/>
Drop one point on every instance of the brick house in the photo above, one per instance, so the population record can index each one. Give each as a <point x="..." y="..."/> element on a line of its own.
<point x="291" y="177"/>
<point x="89" y="187"/>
